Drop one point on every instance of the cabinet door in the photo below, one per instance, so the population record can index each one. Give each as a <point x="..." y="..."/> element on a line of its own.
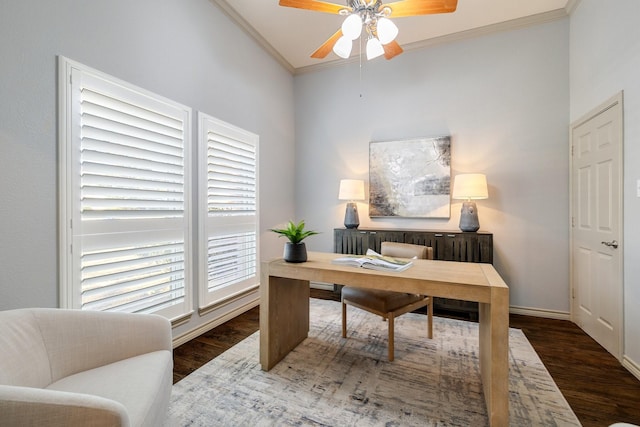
<point x="485" y="248"/>
<point x="468" y="247"/>
<point x="350" y="241"/>
<point x="458" y="247"/>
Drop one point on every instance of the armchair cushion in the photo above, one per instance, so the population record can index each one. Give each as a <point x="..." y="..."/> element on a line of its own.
<point x="136" y="382"/>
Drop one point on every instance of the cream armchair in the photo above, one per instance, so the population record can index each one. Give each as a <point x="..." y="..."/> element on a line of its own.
<point x="84" y="368"/>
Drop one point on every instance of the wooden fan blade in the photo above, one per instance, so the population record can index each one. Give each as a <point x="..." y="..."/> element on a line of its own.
<point x="326" y="47"/>
<point x="392" y="49"/>
<point x="420" y="7"/>
<point x="318" y="6"/>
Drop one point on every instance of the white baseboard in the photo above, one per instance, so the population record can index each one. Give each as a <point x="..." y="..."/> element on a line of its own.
<point x="205" y="327"/>
<point x="540" y="312"/>
<point x="196" y="332"/>
<point x="631" y="366"/>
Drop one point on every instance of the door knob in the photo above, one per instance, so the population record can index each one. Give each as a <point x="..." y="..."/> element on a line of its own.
<point x="612" y="244"/>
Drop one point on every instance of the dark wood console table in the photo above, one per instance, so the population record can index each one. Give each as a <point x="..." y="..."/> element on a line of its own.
<point x="447" y="246"/>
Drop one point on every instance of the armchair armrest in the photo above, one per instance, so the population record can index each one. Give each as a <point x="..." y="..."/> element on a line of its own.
<point x="79" y="340"/>
<point x="25" y="406"/>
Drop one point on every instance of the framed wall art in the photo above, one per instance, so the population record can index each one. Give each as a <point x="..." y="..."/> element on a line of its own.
<point x="410" y="178"/>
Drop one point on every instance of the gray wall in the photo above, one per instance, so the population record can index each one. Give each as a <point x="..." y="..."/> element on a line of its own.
<point x="503" y="98"/>
<point x="605" y="59"/>
<point x="188" y="51"/>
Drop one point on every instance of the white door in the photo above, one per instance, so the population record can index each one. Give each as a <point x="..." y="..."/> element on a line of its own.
<point x="596" y="207"/>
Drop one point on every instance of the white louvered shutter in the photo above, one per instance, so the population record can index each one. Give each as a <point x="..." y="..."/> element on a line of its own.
<point x="228" y="208"/>
<point x="127" y="190"/>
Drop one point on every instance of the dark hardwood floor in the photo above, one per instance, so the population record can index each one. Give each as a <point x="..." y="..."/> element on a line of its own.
<point x="598" y="388"/>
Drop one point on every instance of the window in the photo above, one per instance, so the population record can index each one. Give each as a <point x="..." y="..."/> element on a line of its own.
<point x="227" y="210"/>
<point x="125" y="206"/>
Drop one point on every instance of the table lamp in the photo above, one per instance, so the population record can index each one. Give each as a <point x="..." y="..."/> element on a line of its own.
<point x="470" y="186"/>
<point x="351" y="190"/>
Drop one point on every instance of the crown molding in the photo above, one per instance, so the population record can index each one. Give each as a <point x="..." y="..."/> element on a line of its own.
<point x="571" y="6"/>
<point x="518" y="23"/>
<point x="527" y="21"/>
<point x="514" y="24"/>
<point x="249" y="30"/>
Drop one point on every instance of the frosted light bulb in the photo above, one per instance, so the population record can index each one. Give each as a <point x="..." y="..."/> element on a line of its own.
<point x="352" y="26"/>
<point x="374" y="48"/>
<point x="387" y="30"/>
<point x="342" y="48"/>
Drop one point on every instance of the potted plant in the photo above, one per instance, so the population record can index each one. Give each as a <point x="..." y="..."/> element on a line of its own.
<point x="295" y="249"/>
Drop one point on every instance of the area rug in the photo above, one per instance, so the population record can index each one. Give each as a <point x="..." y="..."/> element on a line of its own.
<point x="331" y="381"/>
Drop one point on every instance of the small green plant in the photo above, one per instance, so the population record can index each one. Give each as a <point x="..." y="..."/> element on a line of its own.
<point x="295" y="233"/>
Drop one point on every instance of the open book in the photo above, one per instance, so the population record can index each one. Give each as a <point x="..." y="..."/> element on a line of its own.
<point x="373" y="261"/>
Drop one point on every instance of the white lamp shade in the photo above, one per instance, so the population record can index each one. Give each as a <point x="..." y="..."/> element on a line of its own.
<point x="352" y="26"/>
<point x="374" y="48"/>
<point x="387" y="30"/>
<point x="351" y="189"/>
<point x="342" y="48"/>
<point x="470" y="186"/>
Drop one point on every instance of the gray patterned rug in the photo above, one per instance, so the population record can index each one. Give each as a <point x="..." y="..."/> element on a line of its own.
<point x="331" y="381"/>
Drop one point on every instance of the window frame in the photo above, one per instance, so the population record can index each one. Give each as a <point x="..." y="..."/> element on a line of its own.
<point x="73" y="233"/>
<point x="209" y="300"/>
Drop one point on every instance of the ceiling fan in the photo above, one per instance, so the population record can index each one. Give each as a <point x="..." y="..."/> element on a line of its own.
<point x="373" y="16"/>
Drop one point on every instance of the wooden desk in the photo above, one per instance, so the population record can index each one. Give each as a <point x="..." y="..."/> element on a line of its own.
<point x="284" y="309"/>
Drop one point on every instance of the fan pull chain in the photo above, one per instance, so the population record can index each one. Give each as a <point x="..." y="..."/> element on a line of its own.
<point x="360" y="67"/>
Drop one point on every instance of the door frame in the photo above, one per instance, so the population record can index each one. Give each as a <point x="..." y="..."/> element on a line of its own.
<point x="617" y="99"/>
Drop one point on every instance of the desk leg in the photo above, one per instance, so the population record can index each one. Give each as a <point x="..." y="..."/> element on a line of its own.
<point x="284" y="317"/>
<point x="494" y="356"/>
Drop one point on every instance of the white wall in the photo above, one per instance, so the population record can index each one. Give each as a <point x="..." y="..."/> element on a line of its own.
<point x="605" y="59"/>
<point x="188" y="51"/>
<point x="503" y="98"/>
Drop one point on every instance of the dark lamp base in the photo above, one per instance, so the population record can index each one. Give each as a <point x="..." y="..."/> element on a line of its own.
<point x="351" y="219"/>
<point x="469" y="217"/>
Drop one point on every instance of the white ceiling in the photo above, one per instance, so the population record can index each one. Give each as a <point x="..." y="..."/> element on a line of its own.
<point x="293" y="34"/>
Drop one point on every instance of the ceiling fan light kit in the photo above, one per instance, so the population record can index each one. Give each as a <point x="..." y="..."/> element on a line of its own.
<point x="374" y="16"/>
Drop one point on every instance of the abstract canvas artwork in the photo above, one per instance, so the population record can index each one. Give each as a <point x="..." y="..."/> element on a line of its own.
<point x="410" y="178"/>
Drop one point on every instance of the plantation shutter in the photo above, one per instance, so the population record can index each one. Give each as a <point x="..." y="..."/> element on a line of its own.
<point x="228" y="179"/>
<point x="132" y="161"/>
<point x="127" y="180"/>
